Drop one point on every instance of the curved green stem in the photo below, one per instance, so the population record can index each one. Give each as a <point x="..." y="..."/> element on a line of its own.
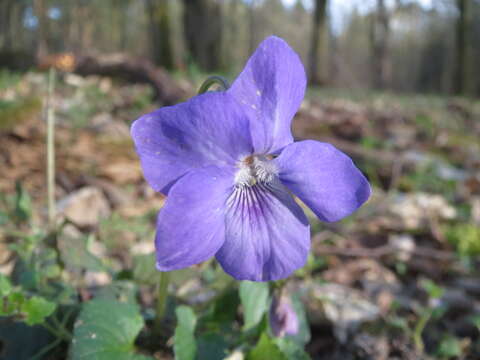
<point x="418" y="331"/>
<point x="45" y="350"/>
<point x="59" y="333"/>
<point x="212" y="80"/>
<point x="162" y="294"/>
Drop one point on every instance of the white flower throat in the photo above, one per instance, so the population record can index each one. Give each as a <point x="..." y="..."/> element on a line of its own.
<point x="255" y="169"/>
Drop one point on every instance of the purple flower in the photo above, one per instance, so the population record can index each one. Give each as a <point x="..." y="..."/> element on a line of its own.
<point x="283" y="318"/>
<point x="228" y="163"/>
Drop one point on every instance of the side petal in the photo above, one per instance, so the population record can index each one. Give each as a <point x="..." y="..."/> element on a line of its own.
<point x="271" y="87"/>
<point x="267" y="234"/>
<point x="209" y="129"/>
<point x="191" y="225"/>
<point x="324" y="178"/>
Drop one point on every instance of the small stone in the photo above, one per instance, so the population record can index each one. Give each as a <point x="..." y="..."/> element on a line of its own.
<point x="416" y="210"/>
<point x="143" y="248"/>
<point x="404" y="243"/>
<point x="95" y="279"/>
<point x="84" y="207"/>
<point x="344" y="307"/>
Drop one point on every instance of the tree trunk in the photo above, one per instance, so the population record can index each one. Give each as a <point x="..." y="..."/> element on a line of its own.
<point x="463" y="74"/>
<point x="380" y="34"/>
<point x="202" y="28"/>
<point x="41" y="14"/>
<point x="161" y="42"/>
<point x="230" y="34"/>
<point x="318" y="55"/>
<point x="5" y="24"/>
<point x="252" y="42"/>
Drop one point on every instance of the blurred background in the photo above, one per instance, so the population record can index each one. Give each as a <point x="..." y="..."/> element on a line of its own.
<point x="402" y="45"/>
<point x="393" y="83"/>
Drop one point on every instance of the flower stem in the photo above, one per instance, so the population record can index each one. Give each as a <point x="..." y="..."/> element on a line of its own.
<point x="418" y="331"/>
<point x="162" y="294"/>
<point x="50" y="114"/>
<point x="212" y="80"/>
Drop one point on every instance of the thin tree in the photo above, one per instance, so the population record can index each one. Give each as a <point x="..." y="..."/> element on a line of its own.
<point x="380" y="36"/>
<point x="252" y="42"/>
<point x="160" y="32"/>
<point x="463" y="74"/>
<point x="41" y="14"/>
<point x="202" y="21"/>
<point x="318" y="55"/>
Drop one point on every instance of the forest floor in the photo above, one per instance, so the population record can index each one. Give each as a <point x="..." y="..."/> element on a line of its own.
<point x="397" y="280"/>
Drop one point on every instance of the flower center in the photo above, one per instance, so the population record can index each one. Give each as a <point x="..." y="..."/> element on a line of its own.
<point x="255" y="169"/>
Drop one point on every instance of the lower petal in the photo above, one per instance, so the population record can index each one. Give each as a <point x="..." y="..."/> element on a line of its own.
<point x="267" y="235"/>
<point x="191" y="225"/>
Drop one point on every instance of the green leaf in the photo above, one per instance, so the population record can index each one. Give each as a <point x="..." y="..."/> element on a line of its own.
<point x="266" y="349"/>
<point x="291" y="349"/>
<point x="119" y="290"/>
<point x="434" y="291"/>
<point x="225" y="308"/>
<point x="75" y="254"/>
<point x="449" y="347"/>
<point x="185" y="347"/>
<point x="475" y="319"/>
<point x="5" y="286"/>
<point x="254" y="298"/>
<point x="23" y="203"/>
<point x="3" y="218"/>
<point x="106" y="330"/>
<point x="144" y="270"/>
<point x="212" y="346"/>
<point x="11" y="304"/>
<point x="36" y="309"/>
<point x="16" y="299"/>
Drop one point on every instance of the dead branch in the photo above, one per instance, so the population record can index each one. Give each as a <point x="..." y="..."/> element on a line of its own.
<point x="121" y="66"/>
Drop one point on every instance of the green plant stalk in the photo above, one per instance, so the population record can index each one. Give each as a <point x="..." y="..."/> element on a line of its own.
<point x="46" y="349"/>
<point x="59" y="333"/>
<point x="418" y="331"/>
<point x="212" y="80"/>
<point x="50" y="113"/>
<point x="162" y="294"/>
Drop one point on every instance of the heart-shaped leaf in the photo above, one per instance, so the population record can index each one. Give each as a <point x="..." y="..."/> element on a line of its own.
<point x="185" y="346"/>
<point x="266" y="349"/>
<point x="254" y="298"/>
<point x="37" y="309"/>
<point x="106" y="330"/>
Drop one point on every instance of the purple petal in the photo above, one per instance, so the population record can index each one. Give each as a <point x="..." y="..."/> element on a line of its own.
<point x="282" y="316"/>
<point x="324" y="178"/>
<point x="209" y="129"/>
<point x="271" y="87"/>
<point x="267" y="234"/>
<point x="191" y="225"/>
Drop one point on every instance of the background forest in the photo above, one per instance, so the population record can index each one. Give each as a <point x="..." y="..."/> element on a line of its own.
<point x="405" y="45"/>
<point x="395" y="84"/>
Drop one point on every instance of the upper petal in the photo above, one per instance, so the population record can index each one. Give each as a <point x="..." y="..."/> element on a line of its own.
<point x="271" y="87"/>
<point x="267" y="234"/>
<point x="208" y="129"/>
<point x="324" y="178"/>
<point x="191" y="225"/>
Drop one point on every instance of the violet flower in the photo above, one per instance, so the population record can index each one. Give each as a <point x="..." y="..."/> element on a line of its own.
<point x="282" y="317"/>
<point x="228" y="163"/>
